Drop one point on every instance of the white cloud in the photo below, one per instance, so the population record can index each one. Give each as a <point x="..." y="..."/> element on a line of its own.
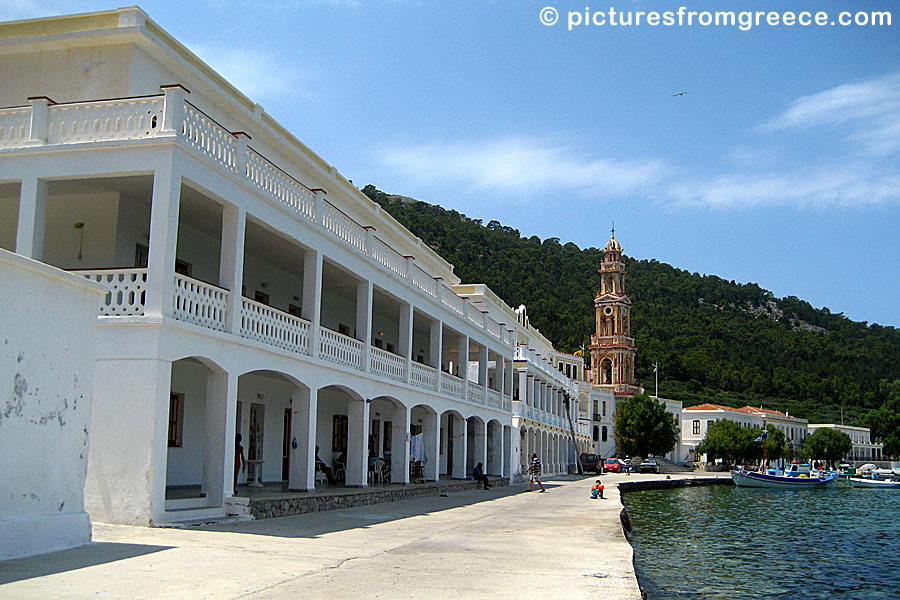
<point x="519" y="165"/>
<point x="254" y="71"/>
<point x="871" y="108"/>
<point x="811" y="188"/>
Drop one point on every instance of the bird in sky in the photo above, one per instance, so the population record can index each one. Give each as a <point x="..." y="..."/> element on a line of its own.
<point x="679" y="94"/>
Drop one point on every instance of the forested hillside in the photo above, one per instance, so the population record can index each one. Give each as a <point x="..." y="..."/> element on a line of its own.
<point x="715" y="340"/>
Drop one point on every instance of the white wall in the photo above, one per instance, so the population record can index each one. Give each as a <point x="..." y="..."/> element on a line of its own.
<point x="49" y="323"/>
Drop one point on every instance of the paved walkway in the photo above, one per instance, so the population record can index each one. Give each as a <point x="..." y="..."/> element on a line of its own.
<point x="500" y="543"/>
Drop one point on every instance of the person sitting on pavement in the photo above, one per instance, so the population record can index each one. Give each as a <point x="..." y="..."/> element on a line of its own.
<point x="478" y="475"/>
<point x="597" y="490"/>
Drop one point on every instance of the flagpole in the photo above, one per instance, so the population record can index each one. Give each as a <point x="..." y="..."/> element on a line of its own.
<point x="656" y="372"/>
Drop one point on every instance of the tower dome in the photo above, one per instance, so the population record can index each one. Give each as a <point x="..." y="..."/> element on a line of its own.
<point x="612" y="245"/>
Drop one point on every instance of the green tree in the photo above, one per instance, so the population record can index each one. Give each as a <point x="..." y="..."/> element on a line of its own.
<point x="828" y="444"/>
<point x="884" y="421"/>
<point x="643" y="427"/>
<point x="727" y="440"/>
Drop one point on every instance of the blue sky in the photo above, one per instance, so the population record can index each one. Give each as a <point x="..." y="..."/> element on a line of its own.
<point x="781" y="164"/>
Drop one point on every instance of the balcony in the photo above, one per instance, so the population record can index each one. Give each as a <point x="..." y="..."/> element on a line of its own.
<point x="170" y="116"/>
<point x="207" y="305"/>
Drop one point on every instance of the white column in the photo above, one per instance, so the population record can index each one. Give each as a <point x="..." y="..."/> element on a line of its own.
<point x="312" y="297"/>
<point x="500" y="372"/>
<point x="231" y="263"/>
<point x="529" y="388"/>
<point x="304" y="408"/>
<point x="482" y="365"/>
<point x="436" y="350"/>
<point x="364" y="319"/>
<point x="40" y="120"/>
<point x="406" y="336"/>
<point x="400" y="445"/>
<point x="357" y="443"/>
<point x="32" y="218"/>
<point x="163" y="241"/>
<point x="495" y="450"/>
<point x="463" y="356"/>
<point x="459" y="441"/>
<point x="221" y="403"/>
<point x="431" y="430"/>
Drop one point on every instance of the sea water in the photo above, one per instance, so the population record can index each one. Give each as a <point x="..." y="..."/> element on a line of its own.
<point x="725" y="542"/>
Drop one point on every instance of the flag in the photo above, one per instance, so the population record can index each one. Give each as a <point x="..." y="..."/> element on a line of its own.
<point x="655" y="368"/>
<point x="578" y="353"/>
<point x="762" y="436"/>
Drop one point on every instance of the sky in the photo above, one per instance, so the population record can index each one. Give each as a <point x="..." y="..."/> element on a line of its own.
<point x="780" y="165"/>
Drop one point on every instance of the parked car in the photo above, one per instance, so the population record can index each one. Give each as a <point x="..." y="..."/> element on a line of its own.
<point x="649" y="466"/>
<point x="612" y="465"/>
<point x="591" y="463"/>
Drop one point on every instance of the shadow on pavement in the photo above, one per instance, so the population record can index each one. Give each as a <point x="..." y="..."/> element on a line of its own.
<point x="89" y="555"/>
<point x="316" y="524"/>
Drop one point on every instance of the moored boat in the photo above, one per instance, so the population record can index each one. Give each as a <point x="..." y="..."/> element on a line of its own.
<point x="865" y="482"/>
<point x="744" y="478"/>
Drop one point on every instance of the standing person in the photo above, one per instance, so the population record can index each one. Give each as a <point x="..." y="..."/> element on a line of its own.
<point x="240" y="463"/>
<point x="597" y="490"/>
<point x="535" y="471"/>
<point x="478" y="475"/>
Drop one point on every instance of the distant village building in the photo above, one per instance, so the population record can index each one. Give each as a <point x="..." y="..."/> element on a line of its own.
<point x="864" y="449"/>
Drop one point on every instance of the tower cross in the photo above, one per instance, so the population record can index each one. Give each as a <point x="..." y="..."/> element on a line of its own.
<point x="613" y="230"/>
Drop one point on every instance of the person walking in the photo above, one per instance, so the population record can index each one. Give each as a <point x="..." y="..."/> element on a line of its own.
<point x="535" y="471"/>
<point x="240" y="463"/>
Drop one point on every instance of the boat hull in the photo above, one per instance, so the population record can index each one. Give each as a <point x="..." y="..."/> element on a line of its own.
<point x="761" y="480"/>
<point x="874" y="483"/>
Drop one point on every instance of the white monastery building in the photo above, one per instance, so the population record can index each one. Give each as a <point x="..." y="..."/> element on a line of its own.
<point x="251" y="290"/>
<point x="864" y="449"/>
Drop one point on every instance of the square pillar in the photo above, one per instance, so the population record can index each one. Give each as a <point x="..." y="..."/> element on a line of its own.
<point x="32" y="218"/>
<point x="406" y="336"/>
<point x="458" y="439"/>
<point x="218" y="464"/>
<point x="364" y="319"/>
<point x="163" y="241"/>
<point x="312" y="297"/>
<point x="431" y="437"/>
<point x="357" y="443"/>
<point x="436" y="350"/>
<point x="482" y="365"/>
<point x="463" y="356"/>
<point x="231" y="263"/>
<point x="400" y="445"/>
<point x="304" y="408"/>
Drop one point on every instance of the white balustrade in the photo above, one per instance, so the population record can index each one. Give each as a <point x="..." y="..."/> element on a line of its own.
<point x="453" y="301"/>
<point x="493" y="328"/>
<point x="344" y="228"/>
<point x="274" y="327"/>
<point x="423" y="376"/>
<point x="389" y="258"/>
<point x="210" y="138"/>
<point x="279" y="185"/>
<point x="494" y="399"/>
<point x="127" y="291"/>
<point x="199" y="303"/>
<point x="340" y="349"/>
<point x="122" y="119"/>
<point x="507" y="403"/>
<point x="387" y="364"/>
<point x="451" y="385"/>
<point x="476" y="393"/>
<point x="476" y="316"/>
<point x="15" y="126"/>
<point x="424" y="281"/>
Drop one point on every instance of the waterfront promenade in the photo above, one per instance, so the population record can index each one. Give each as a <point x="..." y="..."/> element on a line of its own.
<point x="500" y="543"/>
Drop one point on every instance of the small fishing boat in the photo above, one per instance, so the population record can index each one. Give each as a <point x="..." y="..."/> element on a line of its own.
<point x="866" y="482"/>
<point x="795" y="477"/>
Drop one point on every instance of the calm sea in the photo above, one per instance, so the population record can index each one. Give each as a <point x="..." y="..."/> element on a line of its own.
<point x="724" y="542"/>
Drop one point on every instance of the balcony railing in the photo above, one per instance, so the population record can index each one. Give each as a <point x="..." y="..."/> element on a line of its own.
<point x="476" y="393"/>
<point x="124" y="119"/>
<point x="199" y="303"/>
<point x="271" y="326"/>
<point x="451" y="385"/>
<point x="423" y="376"/>
<point x="127" y="291"/>
<point x="494" y="399"/>
<point x="386" y="364"/>
<point x="340" y="349"/>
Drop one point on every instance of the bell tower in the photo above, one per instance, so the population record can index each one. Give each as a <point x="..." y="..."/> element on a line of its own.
<point x="612" y="345"/>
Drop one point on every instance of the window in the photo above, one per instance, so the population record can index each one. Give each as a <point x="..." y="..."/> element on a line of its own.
<point x="183" y="268"/>
<point x="339" y="433"/>
<point x="696" y="427"/>
<point x="176" y="419"/>
<point x="604" y="434"/>
<point x="294" y="310"/>
<point x="390" y="348"/>
<point x="344" y="329"/>
<point x="261" y="297"/>
<point x="596" y="433"/>
<point x="141" y="255"/>
<point x="604" y="409"/>
<point x="378" y="343"/>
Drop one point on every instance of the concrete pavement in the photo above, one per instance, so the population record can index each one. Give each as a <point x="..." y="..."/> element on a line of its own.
<point x="500" y="543"/>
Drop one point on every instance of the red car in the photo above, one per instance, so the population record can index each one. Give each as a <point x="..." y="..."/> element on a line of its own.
<point x="612" y="465"/>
